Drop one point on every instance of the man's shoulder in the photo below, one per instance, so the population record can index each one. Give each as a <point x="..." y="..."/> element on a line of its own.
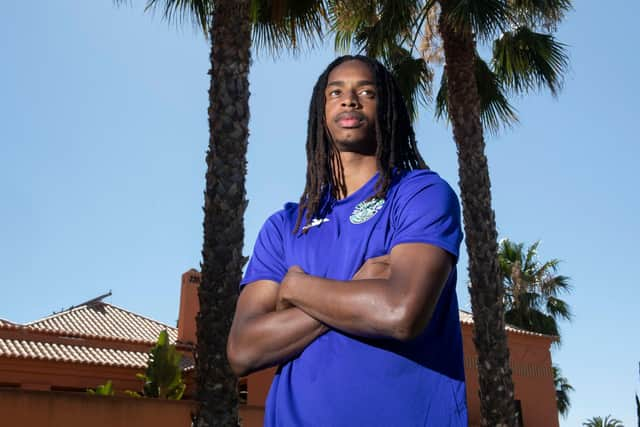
<point x="409" y="182"/>
<point x="282" y="218"/>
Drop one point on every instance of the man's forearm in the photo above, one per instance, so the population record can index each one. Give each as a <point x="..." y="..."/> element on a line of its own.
<point x="369" y="307"/>
<point x="271" y="338"/>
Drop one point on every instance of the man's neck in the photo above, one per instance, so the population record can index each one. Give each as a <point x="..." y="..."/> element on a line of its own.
<point x="358" y="170"/>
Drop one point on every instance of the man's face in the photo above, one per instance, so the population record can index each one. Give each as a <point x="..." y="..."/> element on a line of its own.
<point x="350" y="108"/>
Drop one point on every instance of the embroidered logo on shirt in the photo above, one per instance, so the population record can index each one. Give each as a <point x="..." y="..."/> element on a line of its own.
<point x="315" y="222"/>
<point x="365" y="210"/>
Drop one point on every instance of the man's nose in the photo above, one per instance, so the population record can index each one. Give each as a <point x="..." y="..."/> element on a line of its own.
<point x="350" y="100"/>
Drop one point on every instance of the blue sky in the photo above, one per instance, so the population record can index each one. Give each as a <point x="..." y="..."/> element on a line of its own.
<point x="103" y="131"/>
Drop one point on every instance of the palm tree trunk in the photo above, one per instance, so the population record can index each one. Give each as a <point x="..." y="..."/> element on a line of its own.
<point x="224" y="206"/>
<point x="496" y="386"/>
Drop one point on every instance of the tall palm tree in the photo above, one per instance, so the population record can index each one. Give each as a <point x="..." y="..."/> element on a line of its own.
<point x="473" y="95"/>
<point x="562" y="391"/>
<point x="532" y="288"/>
<point x="227" y="25"/>
<point x="230" y="26"/>
<point x="600" y="422"/>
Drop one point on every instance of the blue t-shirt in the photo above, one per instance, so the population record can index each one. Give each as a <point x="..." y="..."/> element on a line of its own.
<point x="345" y="380"/>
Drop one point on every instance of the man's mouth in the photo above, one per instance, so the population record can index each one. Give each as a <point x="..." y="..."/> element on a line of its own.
<point x="349" y="119"/>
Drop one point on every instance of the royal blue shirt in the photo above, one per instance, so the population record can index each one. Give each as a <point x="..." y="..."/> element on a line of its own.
<point x="344" y="380"/>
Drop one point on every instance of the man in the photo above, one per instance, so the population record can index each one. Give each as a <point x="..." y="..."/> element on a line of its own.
<point x="352" y="290"/>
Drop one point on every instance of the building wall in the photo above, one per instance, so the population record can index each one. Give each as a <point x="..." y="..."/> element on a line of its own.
<point x="532" y="378"/>
<point x="52" y="375"/>
<point x="56" y="409"/>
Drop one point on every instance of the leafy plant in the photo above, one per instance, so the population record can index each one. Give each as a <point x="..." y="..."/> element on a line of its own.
<point x="163" y="376"/>
<point x="105" y="389"/>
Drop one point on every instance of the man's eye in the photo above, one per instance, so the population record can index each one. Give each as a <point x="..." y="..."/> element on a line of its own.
<point x="368" y="92"/>
<point x="335" y="92"/>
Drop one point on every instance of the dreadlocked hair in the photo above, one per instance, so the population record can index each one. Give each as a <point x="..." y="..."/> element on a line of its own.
<point x="396" y="143"/>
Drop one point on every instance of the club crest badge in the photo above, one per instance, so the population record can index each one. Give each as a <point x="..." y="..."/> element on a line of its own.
<point x="365" y="210"/>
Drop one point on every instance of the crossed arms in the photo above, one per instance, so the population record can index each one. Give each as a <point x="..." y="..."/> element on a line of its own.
<point x="392" y="296"/>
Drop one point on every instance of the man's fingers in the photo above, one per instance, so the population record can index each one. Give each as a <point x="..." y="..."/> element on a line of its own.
<point x="296" y="269"/>
<point x="385" y="259"/>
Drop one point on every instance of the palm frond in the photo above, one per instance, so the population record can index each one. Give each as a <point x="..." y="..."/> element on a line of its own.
<point x="484" y="18"/>
<point x="442" y="107"/>
<point x="287" y="25"/>
<point x="198" y="12"/>
<point x="374" y="27"/>
<point x="557" y="308"/>
<point x="531" y="289"/>
<point x="347" y="18"/>
<point x="414" y="78"/>
<point x="495" y="110"/>
<point x="532" y="253"/>
<point x="544" y="14"/>
<point x="553" y="285"/>
<point x="524" y="60"/>
<point x="563" y="388"/>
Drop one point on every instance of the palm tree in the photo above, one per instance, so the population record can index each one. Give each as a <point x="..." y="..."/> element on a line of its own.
<point x="230" y="26"/>
<point x="531" y="300"/>
<point x="562" y="391"/>
<point x="472" y="93"/>
<point x="532" y="289"/>
<point x="227" y="25"/>
<point x="599" y="422"/>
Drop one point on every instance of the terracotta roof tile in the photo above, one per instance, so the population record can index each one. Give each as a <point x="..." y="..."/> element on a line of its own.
<point x="97" y="320"/>
<point x="101" y="320"/>
<point x="6" y="324"/>
<point x="467" y="318"/>
<point x="22" y="349"/>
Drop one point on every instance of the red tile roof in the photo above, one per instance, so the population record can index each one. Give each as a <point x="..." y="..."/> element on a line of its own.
<point x="106" y="335"/>
<point x="102" y="320"/>
<point x="23" y="349"/>
<point x="466" y="318"/>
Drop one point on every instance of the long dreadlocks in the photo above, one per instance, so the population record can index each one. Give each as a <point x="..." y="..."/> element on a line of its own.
<point x="396" y="143"/>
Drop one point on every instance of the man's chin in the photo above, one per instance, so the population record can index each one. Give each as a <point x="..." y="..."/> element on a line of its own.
<point x="359" y="146"/>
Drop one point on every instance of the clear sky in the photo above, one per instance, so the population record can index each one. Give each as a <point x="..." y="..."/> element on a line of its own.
<point x="103" y="132"/>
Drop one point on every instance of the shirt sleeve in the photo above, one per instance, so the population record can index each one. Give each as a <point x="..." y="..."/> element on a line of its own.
<point x="427" y="211"/>
<point x="267" y="261"/>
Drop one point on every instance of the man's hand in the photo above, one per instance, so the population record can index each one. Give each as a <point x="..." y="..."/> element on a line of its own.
<point x="293" y="273"/>
<point x="374" y="268"/>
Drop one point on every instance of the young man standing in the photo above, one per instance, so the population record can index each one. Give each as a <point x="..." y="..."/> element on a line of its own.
<point x="352" y="290"/>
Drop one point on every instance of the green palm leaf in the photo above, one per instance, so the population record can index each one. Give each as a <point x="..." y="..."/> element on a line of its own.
<point x="532" y="288"/>
<point x="562" y="391"/>
<point x="539" y="13"/>
<point x="603" y="422"/>
<point x="287" y="25"/>
<point x="525" y="60"/>
<point x="198" y="12"/>
<point x="495" y="110"/>
<point x="414" y="78"/>
<point x="484" y="18"/>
